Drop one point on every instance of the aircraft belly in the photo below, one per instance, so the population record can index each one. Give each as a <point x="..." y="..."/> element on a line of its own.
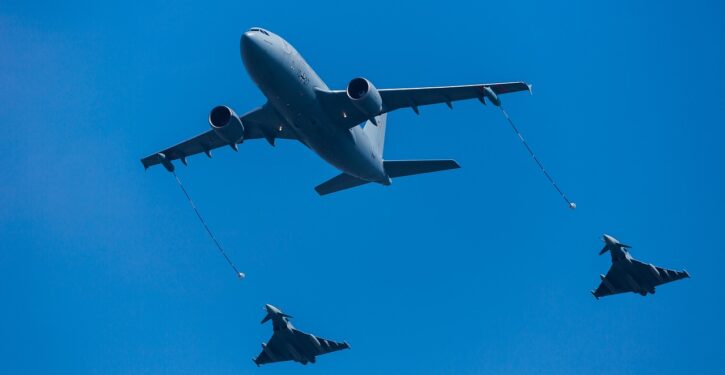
<point x="345" y="152"/>
<point x="290" y="87"/>
<point x="618" y="277"/>
<point x="345" y="149"/>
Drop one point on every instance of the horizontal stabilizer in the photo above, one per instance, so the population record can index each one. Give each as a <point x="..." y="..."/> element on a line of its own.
<point x="340" y="182"/>
<point x="399" y="168"/>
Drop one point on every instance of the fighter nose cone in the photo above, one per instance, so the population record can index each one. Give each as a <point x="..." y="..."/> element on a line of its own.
<point x="270" y="308"/>
<point x="609" y="239"/>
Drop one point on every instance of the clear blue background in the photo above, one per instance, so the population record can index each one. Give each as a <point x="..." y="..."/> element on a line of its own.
<point x="104" y="268"/>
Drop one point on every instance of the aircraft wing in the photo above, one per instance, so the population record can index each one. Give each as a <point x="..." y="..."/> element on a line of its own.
<point x="611" y="285"/>
<point x="319" y="345"/>
<point x="275" y="352"/>
<point x="338" y="103"/>
<point x="262" y="122"/>
<point x="263" y="359"/>
<point x="659" y="275"/>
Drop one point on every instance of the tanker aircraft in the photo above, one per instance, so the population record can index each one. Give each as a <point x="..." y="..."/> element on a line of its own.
<point x="344" y="127"/>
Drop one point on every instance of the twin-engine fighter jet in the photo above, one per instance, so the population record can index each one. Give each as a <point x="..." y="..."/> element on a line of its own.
<point x="630" y="275"/>
<point x="300" y="106"/>
<point x="289" y="344"/>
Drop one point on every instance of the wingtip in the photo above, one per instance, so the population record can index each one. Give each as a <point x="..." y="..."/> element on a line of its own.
<point x="594" y="294"/>
<point x="686" y="273"/>
<point x="530" y="86"/>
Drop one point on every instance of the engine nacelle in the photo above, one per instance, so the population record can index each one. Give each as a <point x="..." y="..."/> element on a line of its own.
<point x="365" y="97"/>
<point x="226" y="124"/>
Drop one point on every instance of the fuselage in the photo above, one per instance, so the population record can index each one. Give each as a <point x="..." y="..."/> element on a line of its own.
<point x="287" y="334"/>
<point x="622" y="265"/>
<point x="291" y="87"/>
<point x="629" y="274"/>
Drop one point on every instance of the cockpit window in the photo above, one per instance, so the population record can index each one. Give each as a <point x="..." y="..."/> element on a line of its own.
<point x="263" y="31"/>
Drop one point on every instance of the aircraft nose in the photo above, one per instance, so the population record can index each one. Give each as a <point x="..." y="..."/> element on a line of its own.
<point x="257" y="50"/>
<point x="249" y="43"/>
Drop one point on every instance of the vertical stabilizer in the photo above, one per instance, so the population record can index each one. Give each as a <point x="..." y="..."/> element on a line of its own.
<point x="376" y="134"/>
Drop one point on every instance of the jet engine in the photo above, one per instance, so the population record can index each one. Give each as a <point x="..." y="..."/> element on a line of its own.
<point x="365" y="97"/>
<point x="226" y="124"/>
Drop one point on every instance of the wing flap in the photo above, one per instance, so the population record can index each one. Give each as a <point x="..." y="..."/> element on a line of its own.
<point x="401" y="98"/>
<point x="329" y="346"/>
<point x="262" y="122"/>
<point x="344" y="113"/>
<point x="204" y="142"/>
<point x="272" y="352"/>
<point x="659" y="275"/>
<point x="672" y="275"/>
<point x="321" y="345"/>
<point x="610" y="285"/>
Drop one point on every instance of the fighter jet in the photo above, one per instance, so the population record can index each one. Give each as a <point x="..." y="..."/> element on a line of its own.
<point x="630" y="275"/>
<point x="287" y="343"/>
<point x="301" y="107"/>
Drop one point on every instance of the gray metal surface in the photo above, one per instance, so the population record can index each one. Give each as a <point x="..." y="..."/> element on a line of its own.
<point x="289" y="344"/>
<point x="630" y="275"/>
<point x="300" y="106"/>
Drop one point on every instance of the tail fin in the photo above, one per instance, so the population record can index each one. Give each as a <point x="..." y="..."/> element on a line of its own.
<point x="399" y="168"/>
<point x="340" y="182"/>
<point x="376" y="134"/>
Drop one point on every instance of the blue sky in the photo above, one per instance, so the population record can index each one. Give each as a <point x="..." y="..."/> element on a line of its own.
<point x="104" y="268"/>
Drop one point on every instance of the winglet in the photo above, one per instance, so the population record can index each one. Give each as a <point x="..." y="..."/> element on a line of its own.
<point x="530" y="86"/>
<point x="686" y="273"/>
<point x="594" y="294"/>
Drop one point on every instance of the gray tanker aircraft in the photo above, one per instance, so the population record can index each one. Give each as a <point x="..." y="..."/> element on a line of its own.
<point x="630" y="275"/>
<point x="300" y="106"/>
<point x="289" y="344"/>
